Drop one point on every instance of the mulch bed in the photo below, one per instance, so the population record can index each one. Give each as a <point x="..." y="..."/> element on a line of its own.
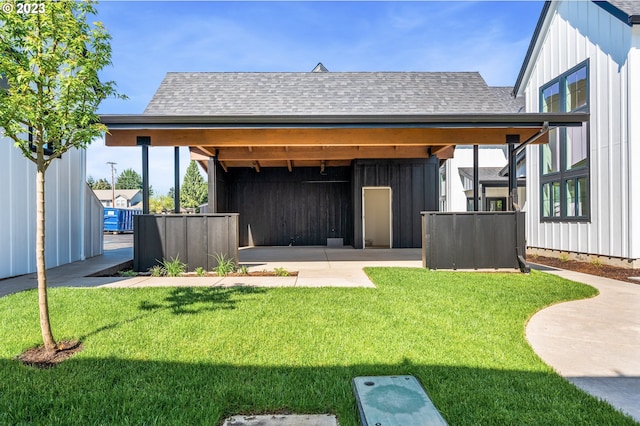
<point x="620" y="274"/>
<point x="248" y="274"/>
<point x="40" y="358"/>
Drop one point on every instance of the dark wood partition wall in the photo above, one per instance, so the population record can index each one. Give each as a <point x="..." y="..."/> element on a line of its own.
<point x="308" y="205"/>
<point x="415" y="188"/>
<point x="474" y="240"/>
<point x="195" y="239"/>
<point x="301" y="207"/>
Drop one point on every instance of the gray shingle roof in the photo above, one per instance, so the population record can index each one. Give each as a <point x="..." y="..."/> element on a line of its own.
<point x="485" y="174"/>
<point x="331" y="93"/>
<point x="510" y="103"/>
<point x="630" y="7"/>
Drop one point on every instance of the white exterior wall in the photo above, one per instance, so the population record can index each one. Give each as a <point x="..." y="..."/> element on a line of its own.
<point x="574" y="32"/>
<point x="66" y="204"/>
<point x="456" y="198"/>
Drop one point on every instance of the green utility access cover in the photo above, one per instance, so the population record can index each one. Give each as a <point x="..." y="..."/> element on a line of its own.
<point x="394" y="401"/>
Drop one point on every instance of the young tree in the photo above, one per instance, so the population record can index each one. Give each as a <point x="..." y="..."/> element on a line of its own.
<point x="194" y="191"/>
<point x="101" y="183"/>
<point x="50" y="96"/>
<point x="129" y="179"/>
<point x="160" y="204"/>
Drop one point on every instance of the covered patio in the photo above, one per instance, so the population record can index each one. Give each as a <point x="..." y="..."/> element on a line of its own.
<point x="323" y="158"/>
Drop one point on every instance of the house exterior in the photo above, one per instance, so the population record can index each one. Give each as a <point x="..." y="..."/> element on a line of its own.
<point x="124" y="198"/>
<point x="73" y="214"/>
<point x="312" y="156"/>
<point x="583" y="188"/>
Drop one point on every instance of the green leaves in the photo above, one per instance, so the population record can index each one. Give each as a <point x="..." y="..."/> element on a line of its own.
<point x="50" y="62"/>
<point x="194" y="191"/>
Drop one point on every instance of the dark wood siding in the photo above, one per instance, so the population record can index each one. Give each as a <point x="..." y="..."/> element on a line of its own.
<point x="414" y="185"/>
<point x="302" y="207"/>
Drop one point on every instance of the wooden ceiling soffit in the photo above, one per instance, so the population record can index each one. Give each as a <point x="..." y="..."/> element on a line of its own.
<point x="319" y="153"/>
<point x="223" y="138"/>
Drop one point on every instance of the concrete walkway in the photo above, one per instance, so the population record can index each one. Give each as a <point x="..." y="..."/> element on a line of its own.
<point x="594" y="343"/>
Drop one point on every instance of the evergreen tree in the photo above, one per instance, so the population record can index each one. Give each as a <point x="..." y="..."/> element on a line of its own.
<point x="129" y="179"/>
<point x="194" y="189"/>
<point x="91" y="182"/>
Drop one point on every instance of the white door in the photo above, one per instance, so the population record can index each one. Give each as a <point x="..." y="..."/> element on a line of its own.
<point x="376" y="217"/>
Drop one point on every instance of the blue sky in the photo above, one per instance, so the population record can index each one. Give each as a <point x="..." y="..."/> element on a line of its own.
<point x="151" y="38"/>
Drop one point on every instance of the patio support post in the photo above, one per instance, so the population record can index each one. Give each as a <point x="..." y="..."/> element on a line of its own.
<point x="176" y="178"/>
<point x="512" y="141"/>
<point x="144" y="142"/>
<point x="476" y="179"/>
<point x="211" y="180"/>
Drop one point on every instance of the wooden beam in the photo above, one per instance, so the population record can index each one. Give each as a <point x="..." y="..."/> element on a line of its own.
<point x="317" y="153"/>
<point x="443" y="152"/>
<point x="221" y="138"/>
<point x="289" y="166"/>
<point x="224" y="166"/>
<point x="256" y="165"/>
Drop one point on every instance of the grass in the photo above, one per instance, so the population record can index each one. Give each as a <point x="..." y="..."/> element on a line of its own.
<point x="195" y="355"/>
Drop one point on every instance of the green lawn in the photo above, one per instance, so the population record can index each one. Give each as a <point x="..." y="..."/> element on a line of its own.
<point x="189" y="356"/>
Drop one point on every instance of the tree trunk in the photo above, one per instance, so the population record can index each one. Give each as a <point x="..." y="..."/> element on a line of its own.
<point x="45" y="325"/>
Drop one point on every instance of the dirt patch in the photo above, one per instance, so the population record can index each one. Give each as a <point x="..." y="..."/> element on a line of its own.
<point x="40" y="358"/>
<point x="620" y="274"/>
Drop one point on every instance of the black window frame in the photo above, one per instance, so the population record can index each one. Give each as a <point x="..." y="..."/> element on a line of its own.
<point x="564" y="175"/>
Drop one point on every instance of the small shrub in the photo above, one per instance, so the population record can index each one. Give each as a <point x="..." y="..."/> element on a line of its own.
<point x="157" y="271"/>
<point x="128" y="273"/>
<point x="595" y="262"/>
<point x="281" y="272"/>
<point x="242" y="270"/>
<point x="200" y="271"/>
<point x="225" y="265"/>
<point x="564" y="257"/>
<point x="174" y="267"/>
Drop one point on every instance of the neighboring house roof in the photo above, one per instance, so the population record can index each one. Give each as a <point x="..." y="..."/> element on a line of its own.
<point x="324" y="93"/>
<point x="106" y="194"/>
<point x="487" y="175"/>
<point x="628" y="11"/>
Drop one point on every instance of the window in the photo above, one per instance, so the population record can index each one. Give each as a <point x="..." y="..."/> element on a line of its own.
<point x="564" y="165"/>
<point x="494" y="204"/>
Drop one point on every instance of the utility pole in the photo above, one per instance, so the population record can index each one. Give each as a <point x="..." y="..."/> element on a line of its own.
<point x="113" y="185"/>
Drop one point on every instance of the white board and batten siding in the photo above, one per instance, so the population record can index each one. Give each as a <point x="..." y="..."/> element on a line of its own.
<point x="73" y="220"/>
<point x="572" y="33"/>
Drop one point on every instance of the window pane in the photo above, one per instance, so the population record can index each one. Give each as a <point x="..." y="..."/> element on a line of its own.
<point x="576" y="147"/>
<point x="551" y="154"/>
<point x="546" y="200"/>
<point x="556" y="199"/>
<point x="551" y="199"/>
<point x="576" y="90"/>
<point x="583" y="197"/>
<point x="571" y="197"/>
<point x="551" y="98"/>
